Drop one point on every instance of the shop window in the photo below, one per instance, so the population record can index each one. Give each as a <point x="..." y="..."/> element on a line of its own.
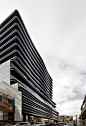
<point x="1" y="97"/>
<point x="1" y="115"/>
<point x="10" y="100"/>
<point x="10" y="116"/>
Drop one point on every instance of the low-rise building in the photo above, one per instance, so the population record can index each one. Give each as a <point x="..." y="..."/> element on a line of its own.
<point x="62" y="118"/>
<point x="83" y="109"/>
<point x="10" y="103"/>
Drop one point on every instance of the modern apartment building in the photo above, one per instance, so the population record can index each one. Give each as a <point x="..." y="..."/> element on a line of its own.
<point x="26" y="69"/>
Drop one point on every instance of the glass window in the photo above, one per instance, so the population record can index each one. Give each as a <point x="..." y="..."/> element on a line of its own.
<point x="10" y="100"/>
<point x="10" y="116"/>
<point x="1" y="97"/>
<point x="1" y="115"/>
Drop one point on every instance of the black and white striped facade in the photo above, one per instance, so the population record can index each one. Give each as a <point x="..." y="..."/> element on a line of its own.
<point x="26" y="68"/>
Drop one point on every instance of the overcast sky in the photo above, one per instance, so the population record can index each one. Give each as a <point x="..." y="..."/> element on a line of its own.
<point x="58" y="30"/>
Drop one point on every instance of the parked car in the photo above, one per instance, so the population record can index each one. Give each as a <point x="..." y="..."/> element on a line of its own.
<point x="48" y="123"/>
<point x="39" y="124"/>
<point x="19" y="124"/>
<point x="64" y="123"/>
<point x="31" y="122"/>
<point x="53" y="123"/>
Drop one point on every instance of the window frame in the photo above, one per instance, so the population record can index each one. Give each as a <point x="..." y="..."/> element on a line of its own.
<point x="14" y="101"/>
<point x="2" y="97"/>
<point x="13" y="116"/>
<point x="2" y="115"/>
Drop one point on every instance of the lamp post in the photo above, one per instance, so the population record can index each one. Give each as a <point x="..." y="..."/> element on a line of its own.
<point x="76" y="119"/>
<point x="81" y="120"/>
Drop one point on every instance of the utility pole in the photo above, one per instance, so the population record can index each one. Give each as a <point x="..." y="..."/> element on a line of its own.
<point x="76" y="119"/>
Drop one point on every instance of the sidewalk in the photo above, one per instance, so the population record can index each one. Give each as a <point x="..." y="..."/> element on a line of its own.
<point x="81" y="125"/>
<point x="57" y="125"/>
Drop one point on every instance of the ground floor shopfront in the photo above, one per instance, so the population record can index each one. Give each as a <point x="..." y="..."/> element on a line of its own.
<point x="34" y="119"/>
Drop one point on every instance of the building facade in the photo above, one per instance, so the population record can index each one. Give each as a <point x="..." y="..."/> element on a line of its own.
<point x="83" y="109"/>
<point x="10" y="103"/>
<point x="27" y="71"/>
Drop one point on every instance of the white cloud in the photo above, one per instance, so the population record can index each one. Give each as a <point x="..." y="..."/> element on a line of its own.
<point x="65" y="73"/>
<point x="69" y="85"/>
<point x="71" y="108"/>
<point x="62" y="94"/>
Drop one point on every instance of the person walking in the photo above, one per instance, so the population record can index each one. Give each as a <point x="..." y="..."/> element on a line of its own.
<point x="74" y="124"/>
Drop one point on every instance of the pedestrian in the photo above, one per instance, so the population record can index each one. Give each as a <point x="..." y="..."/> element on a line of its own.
<point x="74" y="124"/>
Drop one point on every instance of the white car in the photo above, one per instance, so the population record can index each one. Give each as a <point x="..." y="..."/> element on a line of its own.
<point x="19" y="124"/>
<point x="39" y="124"/>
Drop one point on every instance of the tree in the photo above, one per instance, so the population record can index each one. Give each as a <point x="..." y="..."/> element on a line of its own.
<point x="69" y="119"/>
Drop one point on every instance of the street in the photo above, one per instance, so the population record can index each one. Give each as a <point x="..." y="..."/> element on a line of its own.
<point x="70" y="123"/>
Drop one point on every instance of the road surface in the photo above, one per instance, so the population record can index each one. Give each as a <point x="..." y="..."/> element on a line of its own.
<point x="70" y="124"/>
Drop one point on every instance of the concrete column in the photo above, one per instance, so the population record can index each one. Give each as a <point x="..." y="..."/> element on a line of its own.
<point x="5" y="116"/>
<point x="28" y="118"/>
<point x="24" y="117"/>
<point x="37" y="119"/>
